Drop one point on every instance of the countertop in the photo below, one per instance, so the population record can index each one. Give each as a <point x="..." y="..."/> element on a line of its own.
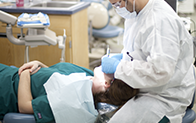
<point x="12" y="8"/>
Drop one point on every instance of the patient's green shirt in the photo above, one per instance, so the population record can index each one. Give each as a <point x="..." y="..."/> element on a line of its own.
<point x="9" y="80"/>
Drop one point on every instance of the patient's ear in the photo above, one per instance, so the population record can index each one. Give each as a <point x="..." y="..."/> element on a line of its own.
<point x="107" y="84"/>
<point x="109" y="77"/>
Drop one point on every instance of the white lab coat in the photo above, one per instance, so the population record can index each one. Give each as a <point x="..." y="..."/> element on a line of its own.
<point x="162" y="67"/>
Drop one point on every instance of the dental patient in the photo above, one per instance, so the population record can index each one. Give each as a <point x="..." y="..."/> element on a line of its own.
<point x="60" y="92"/>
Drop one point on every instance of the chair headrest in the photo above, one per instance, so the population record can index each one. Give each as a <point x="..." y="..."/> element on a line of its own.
<point x="98" y="14"/>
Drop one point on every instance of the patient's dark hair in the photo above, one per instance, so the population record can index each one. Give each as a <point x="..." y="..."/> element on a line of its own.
<point x="118" y="94"/>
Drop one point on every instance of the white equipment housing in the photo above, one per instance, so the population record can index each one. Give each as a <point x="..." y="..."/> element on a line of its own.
<point x="36" y="35"/>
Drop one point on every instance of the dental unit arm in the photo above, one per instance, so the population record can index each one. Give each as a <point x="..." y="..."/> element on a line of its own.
<point x="10" y="20"/>
<point x="36" y="35"/>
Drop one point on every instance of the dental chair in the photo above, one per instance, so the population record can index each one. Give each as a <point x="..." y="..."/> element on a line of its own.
<point x="189" y="116"/>
<point x="105" y="112"/>
<point x="37" y="34"/>
<point x="100" y="29"/>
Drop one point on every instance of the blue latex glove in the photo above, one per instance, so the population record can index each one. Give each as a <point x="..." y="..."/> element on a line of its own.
<point x="109" y="65"/>
<point x="118" y="56"/>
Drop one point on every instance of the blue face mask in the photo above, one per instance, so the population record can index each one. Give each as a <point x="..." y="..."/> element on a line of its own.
<point x="123" y="12"/>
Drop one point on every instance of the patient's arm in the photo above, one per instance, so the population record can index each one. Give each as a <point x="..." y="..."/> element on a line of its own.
<point x="24" y="93"/>
<point x="33" y="66"/>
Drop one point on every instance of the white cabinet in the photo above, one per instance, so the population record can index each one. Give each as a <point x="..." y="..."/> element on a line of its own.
<point x="186" y="6"/>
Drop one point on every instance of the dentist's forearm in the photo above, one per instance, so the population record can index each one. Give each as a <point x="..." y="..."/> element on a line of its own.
<point x="24" y="93"/>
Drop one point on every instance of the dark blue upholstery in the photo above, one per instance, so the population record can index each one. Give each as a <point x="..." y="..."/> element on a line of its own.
<point x="189" y="116"/>
<point x="107" y="32"/>
<point x="28" y="118"/>
<point x="19" y="118"/>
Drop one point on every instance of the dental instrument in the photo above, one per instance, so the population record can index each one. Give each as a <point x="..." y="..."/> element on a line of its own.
<point x="62" y="59"/>
<point x="108" y="51"/>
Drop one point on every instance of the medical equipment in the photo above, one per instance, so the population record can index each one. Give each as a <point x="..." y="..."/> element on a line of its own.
<point x="106" y="111"/>
<point x="108" y="51"/>
<point x="7" y="18"/>
<point x="98" y="18"/>
<point x="100" y="29"/>
<point x="97" y="15"/>
<point x="37" y="34"/>
<point x="98" y="35"/>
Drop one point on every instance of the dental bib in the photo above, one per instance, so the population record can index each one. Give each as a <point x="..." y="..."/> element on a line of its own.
<point x="70" y="98"/>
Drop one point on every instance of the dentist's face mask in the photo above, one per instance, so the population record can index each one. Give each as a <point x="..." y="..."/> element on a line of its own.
<point x="123" y="12"/>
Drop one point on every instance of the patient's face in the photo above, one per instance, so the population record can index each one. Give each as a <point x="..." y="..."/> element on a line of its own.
<point x="100" y="82"/>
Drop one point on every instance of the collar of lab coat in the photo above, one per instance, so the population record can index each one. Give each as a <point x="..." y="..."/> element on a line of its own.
<point x="146" y="8"/>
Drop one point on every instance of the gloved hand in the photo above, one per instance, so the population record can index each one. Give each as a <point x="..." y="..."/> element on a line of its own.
<point x="109" y="65"/>
<point x="117" y="56"/>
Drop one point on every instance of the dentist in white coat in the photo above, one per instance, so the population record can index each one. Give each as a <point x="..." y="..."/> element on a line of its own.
<point x="157" y="58"/>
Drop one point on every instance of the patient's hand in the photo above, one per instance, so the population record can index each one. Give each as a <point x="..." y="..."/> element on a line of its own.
<point x="33" y="67"/>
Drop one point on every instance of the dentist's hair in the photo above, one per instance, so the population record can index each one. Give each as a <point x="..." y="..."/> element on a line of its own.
<point x="118" y="94"/>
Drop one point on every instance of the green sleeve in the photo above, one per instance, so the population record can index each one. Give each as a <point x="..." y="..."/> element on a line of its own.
<point x="8" y="90"/>
<point x="42" y="110"/>
<point x="41" y="77"/>
<point x="68" y="68"/>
